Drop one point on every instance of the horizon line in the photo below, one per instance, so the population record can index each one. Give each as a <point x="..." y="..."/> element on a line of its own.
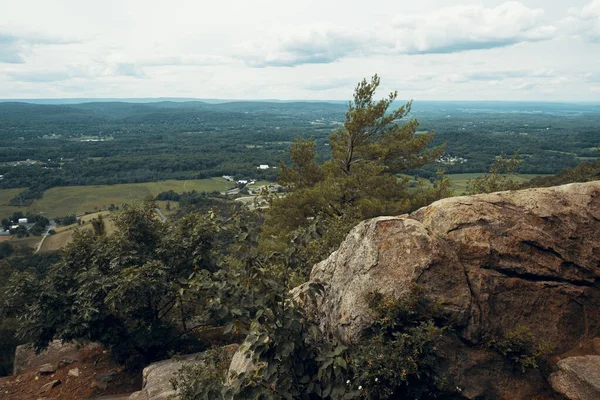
<point x="81" y="100"/>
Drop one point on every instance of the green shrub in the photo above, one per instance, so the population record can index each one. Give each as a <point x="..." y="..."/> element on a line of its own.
<point x="520" y="347"/>
<point x="203" y="381"/>
<point x="396" y="359"/>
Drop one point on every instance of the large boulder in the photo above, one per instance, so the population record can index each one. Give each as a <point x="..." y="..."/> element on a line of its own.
<point x="496" y="261"/>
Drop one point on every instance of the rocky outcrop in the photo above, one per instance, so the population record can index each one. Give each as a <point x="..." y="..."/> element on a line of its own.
<point x="578" y="378"/>
<point x="157" y="376"/>
<point x="495" y="261"/>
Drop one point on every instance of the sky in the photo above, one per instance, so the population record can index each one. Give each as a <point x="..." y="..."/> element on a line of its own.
<point x="528" y="50"/>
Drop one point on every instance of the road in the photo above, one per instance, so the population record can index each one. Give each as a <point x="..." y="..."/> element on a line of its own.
<point x="160" y="214"/>
<point x="49" y="228"/>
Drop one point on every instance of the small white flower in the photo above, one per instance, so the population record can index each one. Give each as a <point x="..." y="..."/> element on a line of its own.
<point x="360" y="388"/>
<point x="376" y="379"/>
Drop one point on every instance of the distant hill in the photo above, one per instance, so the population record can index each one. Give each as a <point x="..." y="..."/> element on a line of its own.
<point x="158" y="100"/>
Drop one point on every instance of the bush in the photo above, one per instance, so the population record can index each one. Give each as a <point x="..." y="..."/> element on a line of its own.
<point x="520" y="347"/>
<point x="123" y="290"/>
<point x="203" y="381"/>
<point x="397" y="358"/>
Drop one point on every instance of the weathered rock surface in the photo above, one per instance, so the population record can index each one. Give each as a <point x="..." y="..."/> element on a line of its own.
<point x="49" y="386"/>
<point x="578" y="378"/>
<point x="56" y="353"/>
<point x="102" y="381"/>
<point x="157" y="377"/>
<point x="496" y="261"/>
<point x="47" y="369"/>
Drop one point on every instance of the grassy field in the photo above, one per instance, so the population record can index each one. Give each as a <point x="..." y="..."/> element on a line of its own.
<point x="460" y="181"/>
<point x="61" y="201"/>
<point x="64" y="234"/>
<point x="5" y="196"/>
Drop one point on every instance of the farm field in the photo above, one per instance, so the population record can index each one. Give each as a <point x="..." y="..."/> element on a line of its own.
<point x="61" y="201"/>
<point x="460" y="181"/>
<point x="64" y="234"/>
<point x="5" y="196"/>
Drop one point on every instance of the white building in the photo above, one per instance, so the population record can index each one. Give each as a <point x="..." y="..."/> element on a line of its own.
<point x="22" y="221"/>
<point x="263" y="166"/>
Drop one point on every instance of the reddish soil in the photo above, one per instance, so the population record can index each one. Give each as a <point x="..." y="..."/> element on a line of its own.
<point x="26" y="386"/>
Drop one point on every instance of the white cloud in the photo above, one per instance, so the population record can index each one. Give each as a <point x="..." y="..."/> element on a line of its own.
<point x="452" y="29"/>
<point x="498" y="75"/>
<point x="585" y="21"/>
<point x="69" y="72"/>
<point x="428" y="50"/>
<point x="471" y="27"/>
<point x="308" y="46"/>
<point x="14" y="48"/>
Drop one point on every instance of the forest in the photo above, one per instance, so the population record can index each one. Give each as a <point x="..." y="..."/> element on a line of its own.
<point x="48" y="145"/>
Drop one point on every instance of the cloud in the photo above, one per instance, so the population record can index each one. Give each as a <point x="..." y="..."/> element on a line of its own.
<point x="127" y="69"/>
<point x="463" y="28"/>
<point x="447" y="30"/>
<point x="314" y="46"/>
<point x="507" y="74"/>
<point x="323" y="84"/>
<point x="584" y="22"/>
<point x="40" y="76"/>
<point x="186" y="60"/>
<point x="15" y="48"/>
<point x="78" y="71"/>
<point x="525" y="86"/>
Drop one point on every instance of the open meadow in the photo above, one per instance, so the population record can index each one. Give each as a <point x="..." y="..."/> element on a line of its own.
<point x="65" y="200"/>
<point x="64" y="234"/>
<point x="460" y="181"/>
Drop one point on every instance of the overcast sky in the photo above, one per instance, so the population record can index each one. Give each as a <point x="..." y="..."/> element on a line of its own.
<point x="308" y="49"/>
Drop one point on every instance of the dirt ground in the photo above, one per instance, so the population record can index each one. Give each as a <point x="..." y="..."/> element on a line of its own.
<point x="26" y="386"/>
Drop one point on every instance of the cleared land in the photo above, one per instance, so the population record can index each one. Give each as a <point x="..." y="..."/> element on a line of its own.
<point x="64" y="234"/>
<point x="5" y="196"/>
<point x="460" y="181"/>
<point x="61" y="201"/>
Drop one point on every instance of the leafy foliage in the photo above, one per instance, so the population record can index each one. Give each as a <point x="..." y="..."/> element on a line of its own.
<point x="291" y="360"/>
<point x="499" y="177"/>
<point x="123" y="290"/>
<point x="520" y="347"/>
<point x="203" y="381"/>
<point x="18" y="265"/>
<point x="358" y="182"/>
<point x="585" y="172"/>
<point x="397" y="358"/>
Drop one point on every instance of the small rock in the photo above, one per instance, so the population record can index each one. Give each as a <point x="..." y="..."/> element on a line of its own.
<point x="101" y="381"/>
<point x="74" y="372"/>
<point x="49" y="386"/>
<point x="47" y="369"/>
<point x="65" y="361"/>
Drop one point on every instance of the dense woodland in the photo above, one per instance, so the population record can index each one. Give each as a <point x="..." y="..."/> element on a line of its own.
<point x="107" y="143"/>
